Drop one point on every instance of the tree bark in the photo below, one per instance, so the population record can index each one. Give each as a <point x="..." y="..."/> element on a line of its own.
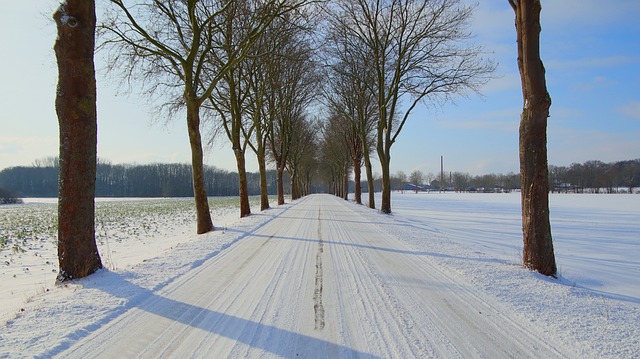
<point x="370" y="183"/>
<point x="205" y="224"/>
<point x="357" y="172"/>
<point x="295" y="190"/>
<point x="280" y="184"/>
<point x="345" y="182"/>
<point x="77" y="119"/>
<point x="245" y="208"/>
<point x="385" y="159"/>
<point x="370" y="180"/>
<point x="538" y="251"/>
<point x="264" y="189"/>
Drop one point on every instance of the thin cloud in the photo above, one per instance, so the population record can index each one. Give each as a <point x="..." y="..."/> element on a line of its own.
<point x="573" y="145"/>
<point x="508" y="82"/>
<point x="591" y="62"/>
<point x="15" y="150"/>
<point x="506" y="120"/>
<point x="577" y="13"/>
<point x="631" y="109"/>
<point x="597" y="82"/>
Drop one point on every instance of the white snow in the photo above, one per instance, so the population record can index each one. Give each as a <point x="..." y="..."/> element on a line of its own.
<point x="441" y="277"/>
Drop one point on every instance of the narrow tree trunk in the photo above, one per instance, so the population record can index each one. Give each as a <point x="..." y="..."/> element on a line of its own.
<point x="264" y="189"/>
<point x="385" y="207"/>
<point x="280" y="184"/>
<point x="294" y="185"/>
<point x="77" y="118"/>
<point x="205" y="224"/>
<point x="538" y="251"/>
<point x="245" y="208"/>
<point x="345" y="183"/>
<point x="370" y="181"/>
<point x="357" y="174"/>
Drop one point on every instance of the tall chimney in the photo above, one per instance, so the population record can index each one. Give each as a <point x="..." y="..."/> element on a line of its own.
<point x="441" y="173"/>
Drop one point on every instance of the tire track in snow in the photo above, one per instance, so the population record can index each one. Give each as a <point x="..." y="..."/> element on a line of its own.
<point x="318" y="308"/>
<point x="438" y="315"/>
<point x="378" y="298"/>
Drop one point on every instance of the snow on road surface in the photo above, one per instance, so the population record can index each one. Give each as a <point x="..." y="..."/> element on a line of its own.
<point x="317" y="281"/>
<point x="324" y="278"/>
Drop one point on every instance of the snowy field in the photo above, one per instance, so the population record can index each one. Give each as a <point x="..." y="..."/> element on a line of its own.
<point x="128" y="232"/>
<point x="596" y="237"/>
<point x="474" y="240"/>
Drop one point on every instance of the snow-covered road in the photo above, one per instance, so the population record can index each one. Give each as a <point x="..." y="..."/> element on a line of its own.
<point x="317" y="281"/>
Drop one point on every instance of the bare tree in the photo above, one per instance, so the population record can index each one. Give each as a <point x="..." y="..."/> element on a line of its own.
<point x="538" y="252"/>
<point x="258" y="61"/>
<point x="346" y="127"/>
<point x="168" y="45"/>
<point x="419" y="51"/>
<point x="263" y="70"/>
<point x="399" y="180"/>
<point x="292" y="87"/>
<point x="416" y="178"/>
<point x="349" y="96"/>
<point x="301" y="160"/>
<point x="230" y="97"/>
<point x="77" y="118"/>
<point x="336" y="158"/>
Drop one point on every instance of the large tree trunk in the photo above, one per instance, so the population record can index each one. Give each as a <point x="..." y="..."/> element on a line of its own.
<point x="538" y="251"/>
<point x="205" y="224"/>
<point x="77" y="118"/>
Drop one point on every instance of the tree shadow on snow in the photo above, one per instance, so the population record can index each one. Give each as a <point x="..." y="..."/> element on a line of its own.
<point x="283" y="343"/>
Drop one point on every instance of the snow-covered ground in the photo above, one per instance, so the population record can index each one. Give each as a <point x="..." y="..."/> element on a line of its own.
<point x="439" y="278"/>
<point x="128" y="232"/>
<point x="596" y="237"/>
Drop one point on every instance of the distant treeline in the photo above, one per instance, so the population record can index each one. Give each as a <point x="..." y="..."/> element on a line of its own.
<point x="596" y="176"/>
<point x="150" y="180"/>
<point x="174" y="180"/>
<point x="591" y="176"/>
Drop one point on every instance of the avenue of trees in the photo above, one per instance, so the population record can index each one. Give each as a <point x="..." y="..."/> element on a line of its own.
<point x="314" y="88"/>
<point x="195" y="54"/>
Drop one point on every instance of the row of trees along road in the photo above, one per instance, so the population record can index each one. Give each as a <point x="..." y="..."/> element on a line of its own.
<point x="181" y="50"/>
<point x="195" y="52"/>
<point x="250" y="66"/>
<point x="384" y="53"/>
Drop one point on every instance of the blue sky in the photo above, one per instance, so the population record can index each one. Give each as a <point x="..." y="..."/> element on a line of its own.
<point x="590" y="48"/>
